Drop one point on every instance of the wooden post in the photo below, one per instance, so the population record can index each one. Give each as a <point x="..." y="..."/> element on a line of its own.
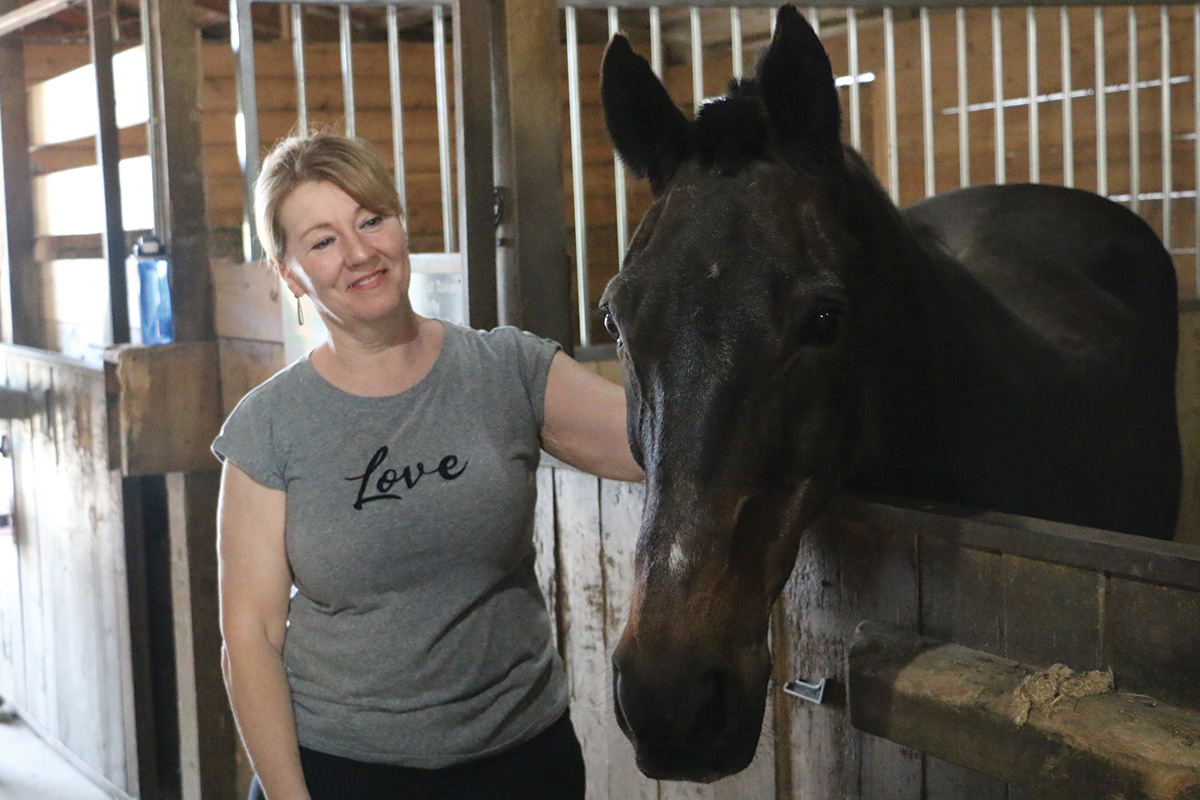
<point x="178" y="166"/>
<point x="476" y="181"/>
<point x="21" y="316"/>
<point x="207" y="736"/>
<point x="534" y="276"/>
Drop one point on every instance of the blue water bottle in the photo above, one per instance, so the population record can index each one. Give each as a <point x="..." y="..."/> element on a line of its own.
<point x="154" y="291"/>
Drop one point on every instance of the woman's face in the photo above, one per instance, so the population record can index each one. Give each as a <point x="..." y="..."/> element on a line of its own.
<point x="352" y="262"/>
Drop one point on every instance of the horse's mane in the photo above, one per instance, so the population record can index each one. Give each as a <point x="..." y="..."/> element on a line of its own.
<point x="731" y="131"/>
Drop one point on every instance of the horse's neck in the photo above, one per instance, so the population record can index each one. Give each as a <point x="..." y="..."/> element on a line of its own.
<point x="911" y="324"/>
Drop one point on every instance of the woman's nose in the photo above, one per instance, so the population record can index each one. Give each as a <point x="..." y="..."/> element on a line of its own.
<point x="356" y="249"/>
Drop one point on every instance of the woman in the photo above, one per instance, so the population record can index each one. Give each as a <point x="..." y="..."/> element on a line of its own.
<point x="389" y="477"/>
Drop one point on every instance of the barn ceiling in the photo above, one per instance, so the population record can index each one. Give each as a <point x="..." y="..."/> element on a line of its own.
<point x="369" y="24"/>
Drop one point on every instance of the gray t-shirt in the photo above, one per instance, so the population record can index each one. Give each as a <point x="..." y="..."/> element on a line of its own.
<point x="417" y="633"/>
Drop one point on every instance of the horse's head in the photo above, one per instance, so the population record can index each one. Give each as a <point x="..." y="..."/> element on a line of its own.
<point x="734" y="323"/>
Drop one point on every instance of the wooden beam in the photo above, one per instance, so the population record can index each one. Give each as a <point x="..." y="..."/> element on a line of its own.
<point x="476" y="172"/>
<point x="534" y="274"/>
<point x="207" y="735"/>
<point x="21" y="314"/>
<point x="175" y="69"/>
<point x="164" y="407"/>
<point x="107" y="157"/>
<point x="1057" y="739"/>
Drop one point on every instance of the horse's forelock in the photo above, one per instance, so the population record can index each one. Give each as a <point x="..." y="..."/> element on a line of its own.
<point x="731" y="131"/>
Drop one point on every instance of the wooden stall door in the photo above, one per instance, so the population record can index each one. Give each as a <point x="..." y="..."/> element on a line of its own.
<point x="64" y="617"/>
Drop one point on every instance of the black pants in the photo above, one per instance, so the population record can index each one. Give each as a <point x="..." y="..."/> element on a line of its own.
<point x="547" y="767"/>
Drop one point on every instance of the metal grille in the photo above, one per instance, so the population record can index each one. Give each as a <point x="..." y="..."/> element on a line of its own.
<point x="1103" y="98"/>
<point x="379" y="118"/>
<point x="397" y="114"/>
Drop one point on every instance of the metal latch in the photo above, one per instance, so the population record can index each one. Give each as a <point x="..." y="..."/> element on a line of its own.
<point x="812" y="692"/>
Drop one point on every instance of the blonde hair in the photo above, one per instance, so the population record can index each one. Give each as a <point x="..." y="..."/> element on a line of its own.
<point x="346" y="162"/>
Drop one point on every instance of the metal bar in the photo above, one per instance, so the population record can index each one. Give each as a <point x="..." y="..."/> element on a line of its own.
<point x="619" y="170"/>
<point x="449" y="240"/>
<point x="656" y="48"/>
<point x="298" y="64"/>
<point x="1164" y="21"/>
<point x="773" y="13"/>
<point x="33" y="12"/>
<point x="855" y="101"/>
<point x="581" y="263"/>
<point x="735" y="40"/>
<point x="814" y="19"/>
<point x="1031" y="47"/>
<point x="241" y="35"/>
<point x="397" y="101"/>
<point x="998" y="95"/>
<point x="697" y="60"/>
<point x="1135" y="150"/>
<point x="893" y="146"/>
<point x="344" y="48"/>
<point x="964" y="148"/>
<point x="1068" y="117"/>
<point x="927" y="104"/>
<point x="1101" y="106"/>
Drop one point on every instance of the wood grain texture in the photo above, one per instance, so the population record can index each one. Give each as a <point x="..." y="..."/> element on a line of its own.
<point x="169" y="406"/>
<point x="971" y="707"/>
<point x="65" y="628"/>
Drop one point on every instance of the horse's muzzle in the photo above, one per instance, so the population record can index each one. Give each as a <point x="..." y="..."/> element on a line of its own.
<point x="692" y="722"/>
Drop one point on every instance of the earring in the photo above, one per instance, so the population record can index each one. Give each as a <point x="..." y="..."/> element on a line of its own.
<point x="299" y="311"/>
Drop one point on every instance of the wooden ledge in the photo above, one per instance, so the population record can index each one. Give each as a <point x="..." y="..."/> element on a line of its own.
<point x="164" y="407"/>
<point x="975" y="709"/>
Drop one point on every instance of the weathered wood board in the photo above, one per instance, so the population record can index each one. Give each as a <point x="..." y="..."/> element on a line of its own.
<point x="1027" y="590"/>
<point x="65" y="650"/>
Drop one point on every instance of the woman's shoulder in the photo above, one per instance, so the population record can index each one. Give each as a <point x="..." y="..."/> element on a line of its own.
<point x="504" y="341"/>
<point x="284" y="383"/>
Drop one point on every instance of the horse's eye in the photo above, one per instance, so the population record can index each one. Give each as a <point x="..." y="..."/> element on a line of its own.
<point x="610" y="325"/>
<point x="824" y="326"/>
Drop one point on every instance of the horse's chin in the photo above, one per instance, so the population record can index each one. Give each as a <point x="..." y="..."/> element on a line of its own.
<point x="673" y="763"/>
<point x="673" y="759"/>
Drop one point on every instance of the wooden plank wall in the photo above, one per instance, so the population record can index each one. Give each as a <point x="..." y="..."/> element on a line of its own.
<point x="1033" y="591"/>
<point x="65" y="655"/>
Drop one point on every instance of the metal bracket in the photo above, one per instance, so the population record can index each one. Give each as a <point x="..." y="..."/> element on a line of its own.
<point x="812" y="692"/>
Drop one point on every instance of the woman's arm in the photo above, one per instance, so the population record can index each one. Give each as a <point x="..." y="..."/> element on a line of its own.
<point x="255" y="586"/>
<point x="585" y="421"/>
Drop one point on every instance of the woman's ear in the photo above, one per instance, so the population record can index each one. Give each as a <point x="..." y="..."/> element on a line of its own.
<point x="289" y="278"/>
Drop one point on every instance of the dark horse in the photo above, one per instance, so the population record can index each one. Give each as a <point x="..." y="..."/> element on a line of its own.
<point x="786" y="330"/>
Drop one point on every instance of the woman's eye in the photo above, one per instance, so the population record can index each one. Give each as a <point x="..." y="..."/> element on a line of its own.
<point x="373" y="221"/>
<point x="321" y="244"/>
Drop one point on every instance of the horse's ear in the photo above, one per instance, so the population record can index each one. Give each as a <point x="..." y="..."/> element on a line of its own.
<point x="647" y="129"/>
<point x="798" y="90"/>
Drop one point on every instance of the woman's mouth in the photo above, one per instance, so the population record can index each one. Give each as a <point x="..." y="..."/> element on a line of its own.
<point x="369" y="281"/>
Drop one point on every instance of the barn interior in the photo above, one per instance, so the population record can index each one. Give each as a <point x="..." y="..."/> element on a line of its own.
<point x="124" y="121"/>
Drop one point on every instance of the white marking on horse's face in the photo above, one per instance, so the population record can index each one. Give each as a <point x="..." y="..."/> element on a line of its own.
<point x="714" y="270"/>
<point x="677" y="560"/>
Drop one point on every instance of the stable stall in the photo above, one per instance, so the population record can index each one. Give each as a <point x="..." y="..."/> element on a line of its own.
<point x="518" y="214"/>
